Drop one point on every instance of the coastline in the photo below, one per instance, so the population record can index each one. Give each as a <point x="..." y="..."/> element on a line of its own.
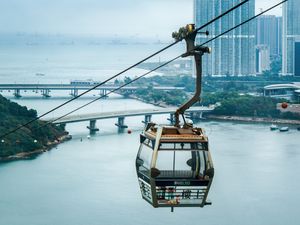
<point x="28" y="155"/>
<point x="246" y="119"/>
<point x="66" y="136"/>
<point x="254" y="119"/>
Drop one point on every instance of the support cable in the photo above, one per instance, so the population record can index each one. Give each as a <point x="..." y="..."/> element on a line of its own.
<point x="165" y="48"/>
<point x="164" y="64"/>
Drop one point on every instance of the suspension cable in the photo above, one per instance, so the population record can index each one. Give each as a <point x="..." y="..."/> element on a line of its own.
<point x="163" y="49"/>
<point x="162" y="65"/>
<point x="112" y="91"/>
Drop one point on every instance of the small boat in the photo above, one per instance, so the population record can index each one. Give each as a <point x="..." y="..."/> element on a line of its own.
<point x="273" y="127"/>
<point x="284" y="129"/>
<point x="40" y="74"/>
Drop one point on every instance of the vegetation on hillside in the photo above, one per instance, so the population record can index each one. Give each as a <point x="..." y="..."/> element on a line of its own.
<point x="174" y="97"/>
<point x="234" y="104"/>
<point x="231" y="92"/>
<point x="26" y="139"/>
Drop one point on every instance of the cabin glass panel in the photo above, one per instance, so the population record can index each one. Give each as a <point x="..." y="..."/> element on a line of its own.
<point x="183" y="146"/>
<point x="145" y="156"/>
<point x="181" y="164"/>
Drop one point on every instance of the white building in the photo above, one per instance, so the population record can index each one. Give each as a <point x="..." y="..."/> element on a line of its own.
<point x="262" y="58"/>
<point x="289" y="91"/>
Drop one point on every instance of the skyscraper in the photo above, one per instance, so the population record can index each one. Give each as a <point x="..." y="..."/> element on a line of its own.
<point x="269" y="33"/>
<point x="291" y="38"/>
<point x="233" y="53"/>
<point x="262" y="58"/>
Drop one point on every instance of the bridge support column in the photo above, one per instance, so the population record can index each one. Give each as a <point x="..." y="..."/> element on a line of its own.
<point x="121" y="124"/>
<point x="103" y="92"/>
<point x="172" y="118"/>
<point x="74" y="92"/>
<point x="92" y="127"/>
<point x="17" y="93"/>
<point x="147" y="119"/>
<point x="196" y="115"/>
<point x="45" y="93"/>
<point x="192" y="115"/>
<point x="200" y="115"/>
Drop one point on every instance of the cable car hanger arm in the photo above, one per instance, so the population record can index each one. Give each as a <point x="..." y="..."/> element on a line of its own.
<point x="197" y="52"/>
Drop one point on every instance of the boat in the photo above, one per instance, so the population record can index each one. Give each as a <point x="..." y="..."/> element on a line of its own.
<point x="273" y="127"/>
<point x="40" y="74"/>
<point x="284" y="129"/>
<point x="298" y="128"/>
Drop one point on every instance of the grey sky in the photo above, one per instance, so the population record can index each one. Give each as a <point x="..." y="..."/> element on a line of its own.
<point x="143" y="18"/>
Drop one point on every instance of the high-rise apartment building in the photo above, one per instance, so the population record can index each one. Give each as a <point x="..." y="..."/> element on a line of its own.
<point x="291" y="38"/>
<point x="262" y="58"/>
<point x="269" y="33"/>
<point x="233" y="53"/>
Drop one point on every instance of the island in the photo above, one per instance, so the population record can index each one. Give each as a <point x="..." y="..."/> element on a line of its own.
<point x="28" y="141"/>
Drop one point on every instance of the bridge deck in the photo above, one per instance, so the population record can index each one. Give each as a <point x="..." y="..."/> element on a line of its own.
<point x="127" y="113"/>
<point x="77" y="87"/>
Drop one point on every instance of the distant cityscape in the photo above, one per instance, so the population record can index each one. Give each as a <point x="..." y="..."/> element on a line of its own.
<point x="269" y="45"/>
<point x="251" y="49"/>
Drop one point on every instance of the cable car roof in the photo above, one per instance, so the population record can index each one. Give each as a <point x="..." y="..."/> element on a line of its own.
<point x="176" y="135"/>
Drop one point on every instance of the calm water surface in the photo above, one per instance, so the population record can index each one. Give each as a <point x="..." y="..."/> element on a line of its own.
<point x="93" y="181"/>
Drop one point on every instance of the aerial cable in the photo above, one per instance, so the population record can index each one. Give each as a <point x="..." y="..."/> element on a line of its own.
<point x="105" y="95"/>
<point x="112" y="91"/>
<point x="148" y="71"/>
<point x="164" y="64"/>
<point x="123" y="71"/>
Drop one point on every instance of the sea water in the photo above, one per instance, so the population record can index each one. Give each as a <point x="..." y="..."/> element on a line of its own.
<point x="92" y="180"/>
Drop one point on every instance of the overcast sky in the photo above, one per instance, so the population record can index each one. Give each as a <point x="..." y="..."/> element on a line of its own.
<point x="142" y="18"/>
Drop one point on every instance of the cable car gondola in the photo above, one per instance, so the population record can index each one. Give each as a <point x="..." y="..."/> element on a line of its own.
<point x="174" y="165"/>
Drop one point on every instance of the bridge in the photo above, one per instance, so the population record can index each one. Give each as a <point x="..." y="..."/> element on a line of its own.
<point x="193" y="112"/>
<point x="45" y="89"/>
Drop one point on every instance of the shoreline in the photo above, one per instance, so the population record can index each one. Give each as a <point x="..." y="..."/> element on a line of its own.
<point x="246" y="119"/>
<point x="67" y="137"/>
<point x="29" y="155"/>
<point x="254" y="119"/>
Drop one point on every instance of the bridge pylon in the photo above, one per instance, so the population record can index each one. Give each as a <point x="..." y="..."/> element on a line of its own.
<point x="17" y="93"/>
<point x="121" y="125"/>
<point x="92" y="127"/>
<point x="147" y="119"/>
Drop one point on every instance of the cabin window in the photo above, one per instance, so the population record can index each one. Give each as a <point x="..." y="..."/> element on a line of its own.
<point x="184" y="146"/>
<point x="186" y="164"/>
<point x="145" y="156"/>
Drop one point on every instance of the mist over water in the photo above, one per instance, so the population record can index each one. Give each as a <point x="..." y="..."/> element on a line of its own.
<point x="93" y="181"/>
<point x="63" y="63"/>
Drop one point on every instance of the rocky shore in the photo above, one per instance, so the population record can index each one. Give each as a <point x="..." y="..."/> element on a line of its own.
<point x="28" y="155"/>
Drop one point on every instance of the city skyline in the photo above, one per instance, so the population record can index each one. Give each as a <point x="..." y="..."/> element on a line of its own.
<point x="291" y="38"/>
<point x="233" y="53"/>
<point x="269" y="33"/>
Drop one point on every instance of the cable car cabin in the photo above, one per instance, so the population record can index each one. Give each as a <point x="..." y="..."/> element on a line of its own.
<point x="174" y="166"/>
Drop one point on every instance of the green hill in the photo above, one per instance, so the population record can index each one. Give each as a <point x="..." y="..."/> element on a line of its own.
<point x="27" y="139"/>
